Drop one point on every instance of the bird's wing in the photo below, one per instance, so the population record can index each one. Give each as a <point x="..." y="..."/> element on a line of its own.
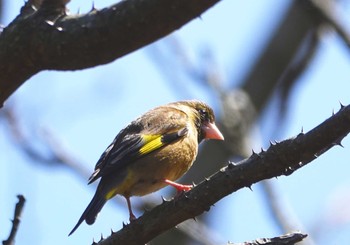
<point x="143" y="136"/>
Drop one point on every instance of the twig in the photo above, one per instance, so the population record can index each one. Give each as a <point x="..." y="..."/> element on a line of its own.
<point x="287" y="239"/>
<point x="280" y="159"/>
<point x="16" y="220"/>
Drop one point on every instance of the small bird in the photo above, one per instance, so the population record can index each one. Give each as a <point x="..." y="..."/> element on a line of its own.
<point x="150" y="153"/>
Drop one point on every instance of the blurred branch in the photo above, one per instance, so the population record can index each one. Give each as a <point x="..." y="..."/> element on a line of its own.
<point x="279" y="209"/>
<point x="330" y="12"/>
<point x="57" y="155"/>
<point x="281" y="212"/>
<point x="296" y="68"/>
<point x="16" y="220"/>
<point x="274" y="60"/>
<point x="174" y="62"/>
<point x="200" y="232"/>
<point x="287" y="239"/>
<point x="40" y="39"/>
<point x="279" y="159"/>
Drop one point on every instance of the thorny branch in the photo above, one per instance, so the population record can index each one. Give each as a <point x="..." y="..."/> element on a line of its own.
<point x="16" y="220"/>
<point x="47" y="39"/>
<point x="287" y="239"/>
<point x="281" y="158"/>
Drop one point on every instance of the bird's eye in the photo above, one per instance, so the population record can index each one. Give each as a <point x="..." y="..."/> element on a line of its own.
<point x="203" y="114"/>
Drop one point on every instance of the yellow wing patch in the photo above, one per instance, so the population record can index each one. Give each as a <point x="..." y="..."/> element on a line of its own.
<point x="151" y="143"/>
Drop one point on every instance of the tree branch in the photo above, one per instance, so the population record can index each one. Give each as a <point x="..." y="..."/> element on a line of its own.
<point x="280" y="159"/>
<point x="44" y="40"/>
<point x="16" y="220"/>
<point x="287" y="239"/>
<point x="329" y="10"/>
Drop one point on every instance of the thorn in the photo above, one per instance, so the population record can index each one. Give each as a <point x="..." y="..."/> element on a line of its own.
<point x="288" y="171"/>
<point x="186" y="195"/>
<point x="93" y="8"/>
<point x="302" y="130"/>
<point x="255" y="155"/>
<point x="112" y="231"/>
<point x="93" y="241"/>
<point x="338" y="142"/>
<point x="164" y="200"/>
<point x="49" y="22"/>
<point x="250" y="187"/>
<point x="271" y="143"/>
<point x="101" y="237"/>
<point x="194" y="218"/>
<point x="206" y="179"/>
<point x="333" y="112"/>
<point x="341" y="105"/>
<point x="124" y="225"/>
<point x="262" y="150"/>
<point x="193" y="185"/>
<point x="59" y="28"/>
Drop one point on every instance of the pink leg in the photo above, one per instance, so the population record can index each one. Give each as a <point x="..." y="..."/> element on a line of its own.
<point x="131" y="214"/>
<point x="178" y="187"/>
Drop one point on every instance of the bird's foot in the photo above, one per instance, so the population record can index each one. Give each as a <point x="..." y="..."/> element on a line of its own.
<point x="179" y="187"/>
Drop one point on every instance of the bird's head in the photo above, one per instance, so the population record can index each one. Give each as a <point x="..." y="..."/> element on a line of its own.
<point x="204" y="119"/>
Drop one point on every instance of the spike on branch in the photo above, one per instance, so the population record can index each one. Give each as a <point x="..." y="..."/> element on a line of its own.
<point x="16" y="220"/>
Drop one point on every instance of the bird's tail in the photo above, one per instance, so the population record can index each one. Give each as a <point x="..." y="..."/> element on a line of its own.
<point x="90" y="213"/>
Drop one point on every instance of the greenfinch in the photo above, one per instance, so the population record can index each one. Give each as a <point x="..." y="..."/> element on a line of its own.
<point x="150" y="153"/>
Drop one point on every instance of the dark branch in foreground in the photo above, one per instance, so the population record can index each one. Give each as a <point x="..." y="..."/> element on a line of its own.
<point x="279" y="159"/>
<point x="16" y="220"/>
<point x="287" y="239"/>
<point x="48" y="39"/>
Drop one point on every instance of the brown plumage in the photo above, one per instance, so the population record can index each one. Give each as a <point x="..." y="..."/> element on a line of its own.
<point x="151" y="152"/>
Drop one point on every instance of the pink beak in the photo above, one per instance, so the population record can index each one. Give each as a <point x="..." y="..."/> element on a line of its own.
<point x="212" y="132"/>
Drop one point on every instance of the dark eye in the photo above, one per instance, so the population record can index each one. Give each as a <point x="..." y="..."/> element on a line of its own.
<point x="203" y="114"/>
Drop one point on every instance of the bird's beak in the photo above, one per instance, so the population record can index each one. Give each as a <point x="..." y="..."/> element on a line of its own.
<point x="212" y="132"/>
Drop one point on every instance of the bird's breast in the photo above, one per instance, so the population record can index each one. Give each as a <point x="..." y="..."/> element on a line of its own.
<point x="170" y="162"/>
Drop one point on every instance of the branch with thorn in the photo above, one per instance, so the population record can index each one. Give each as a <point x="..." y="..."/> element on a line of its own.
<point x="286" y="239"/>
<point x="16" y="220"/>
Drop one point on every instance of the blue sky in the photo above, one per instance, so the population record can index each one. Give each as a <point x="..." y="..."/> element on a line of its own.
<point x="112" y="95"/>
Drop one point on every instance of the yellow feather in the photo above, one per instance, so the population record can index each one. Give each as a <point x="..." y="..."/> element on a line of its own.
<point x="152" y="142"/>
<point x="127" y="183"/>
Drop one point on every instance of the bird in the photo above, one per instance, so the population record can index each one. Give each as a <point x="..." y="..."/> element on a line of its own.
<point x="150" y="153"/>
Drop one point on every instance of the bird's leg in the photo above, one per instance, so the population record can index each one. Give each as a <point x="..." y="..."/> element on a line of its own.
<point x="132" y="217"/>
<point x="178" y="186"/>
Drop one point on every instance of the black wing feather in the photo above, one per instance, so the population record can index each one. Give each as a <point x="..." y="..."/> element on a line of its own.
<point x="126" y="145"/>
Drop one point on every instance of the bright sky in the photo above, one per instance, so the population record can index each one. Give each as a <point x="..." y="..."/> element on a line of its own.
<point x="112" y="95"/>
